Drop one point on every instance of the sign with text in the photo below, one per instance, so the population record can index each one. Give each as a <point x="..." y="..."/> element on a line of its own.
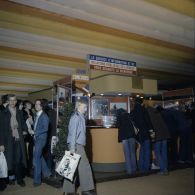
<point x="112" y="65"/>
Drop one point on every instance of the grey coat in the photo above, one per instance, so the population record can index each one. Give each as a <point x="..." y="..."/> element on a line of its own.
<point x="76" y="131"/>
<point x="6" y="136"/>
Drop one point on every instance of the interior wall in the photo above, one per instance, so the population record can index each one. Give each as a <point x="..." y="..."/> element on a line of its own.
<point x="102" y="82"/>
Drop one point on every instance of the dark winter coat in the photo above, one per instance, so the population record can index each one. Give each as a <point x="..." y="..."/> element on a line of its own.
<point x="168" y="117"/>
<point x="159" y="126"/>
<point x="6" y="138"/>
<point x="141" y="120"/>
<point x="125" y="127"/>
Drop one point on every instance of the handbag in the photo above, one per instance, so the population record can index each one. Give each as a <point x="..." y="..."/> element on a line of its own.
<point x="136" y="130"/>
<point x="68" y="165"/>
<point x="3" y="166"/>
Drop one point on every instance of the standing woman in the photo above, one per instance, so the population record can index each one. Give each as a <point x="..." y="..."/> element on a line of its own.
<point x="126" y="135"/>
<point x="29" y="119"/>
<point x="76" y="142"/>
<point x="141" y="121"/>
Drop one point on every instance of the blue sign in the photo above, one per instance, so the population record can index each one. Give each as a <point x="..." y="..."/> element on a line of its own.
<point x="112" y="64"/>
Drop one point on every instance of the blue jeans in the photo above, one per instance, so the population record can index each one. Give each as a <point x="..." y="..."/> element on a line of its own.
<point x="145" y="156"/>
<point x="160" y="149"/>
<point x="39" y="162"/>
<point x="129" y="148"/>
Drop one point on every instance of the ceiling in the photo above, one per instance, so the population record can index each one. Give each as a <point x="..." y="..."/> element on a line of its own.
<point x="43" y="40"/>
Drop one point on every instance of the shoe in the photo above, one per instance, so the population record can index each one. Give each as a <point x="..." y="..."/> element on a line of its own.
<point x="21" y="183"/>
<point x="11" y="182"/>
<point x="90" y="192"/>
<point x="36" y="184"/>
<point x="180" y="162"/>
<point x="154" y="167"/>
<point x="49" y="179"/>
<point x="165" y="173"/>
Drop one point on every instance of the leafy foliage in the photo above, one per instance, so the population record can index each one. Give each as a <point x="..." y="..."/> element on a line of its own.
<point x="61" y="145"/>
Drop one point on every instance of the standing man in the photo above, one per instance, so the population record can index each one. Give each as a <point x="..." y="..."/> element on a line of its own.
<point x="12" y="141"/>
<point x="76" y="142"/>
<point x="40" y="139"/>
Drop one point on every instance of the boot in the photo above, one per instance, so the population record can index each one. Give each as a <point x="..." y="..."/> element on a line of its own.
<point x="90" y="192"/>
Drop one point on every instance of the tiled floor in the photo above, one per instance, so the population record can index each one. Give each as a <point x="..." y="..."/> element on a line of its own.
<point x="179" y="182"/>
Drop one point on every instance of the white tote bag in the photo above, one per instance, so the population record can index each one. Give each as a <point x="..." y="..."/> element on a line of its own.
<point x="3" y="166"/>
<point x="68" y="165"/>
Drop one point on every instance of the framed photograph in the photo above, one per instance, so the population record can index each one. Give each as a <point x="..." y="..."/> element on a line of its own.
<point x="114" y="106"/>
<point x="99" y="108"/>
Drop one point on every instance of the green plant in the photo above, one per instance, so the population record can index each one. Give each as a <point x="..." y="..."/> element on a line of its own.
<point x="61" y="145"/>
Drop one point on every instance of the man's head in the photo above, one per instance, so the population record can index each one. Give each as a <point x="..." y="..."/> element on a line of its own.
<point x="12" y="100"/>
<point x="38" y="105"/>
<point x="81" y="106"/>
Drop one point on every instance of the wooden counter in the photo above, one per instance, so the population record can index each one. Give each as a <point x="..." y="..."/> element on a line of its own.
<point x="106" y="153"/>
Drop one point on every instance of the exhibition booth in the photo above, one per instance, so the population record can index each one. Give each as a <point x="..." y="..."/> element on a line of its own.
<point x="108" y="86"/>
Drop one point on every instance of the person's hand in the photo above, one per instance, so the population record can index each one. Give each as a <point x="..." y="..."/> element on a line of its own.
<point x="2" y="148"/>
<point x="31" y="132"/>
<point x="30" y="120"/>
<point x="72" y="151"/>
<point x="152" y="134"/>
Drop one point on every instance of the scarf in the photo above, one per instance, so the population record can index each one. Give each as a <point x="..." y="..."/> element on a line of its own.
<point x="14" y="123"/>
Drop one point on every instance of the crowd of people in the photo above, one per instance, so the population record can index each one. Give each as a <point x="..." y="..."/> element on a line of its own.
<point x="26" y="130"/>
<point x="165" y="137"/>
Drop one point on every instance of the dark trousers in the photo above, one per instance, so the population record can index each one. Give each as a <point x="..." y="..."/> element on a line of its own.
<point x="18" y="167"/>
<point x="185" y="148"/>
<point x="29" y="143"/>
<point x="173" y="148"/>
<point x="2" y="184"/>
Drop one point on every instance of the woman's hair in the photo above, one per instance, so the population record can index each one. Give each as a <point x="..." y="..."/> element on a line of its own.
<point x="27" y="102"/>
<point x="19" y="102"/>
<point x="79" y="102"/>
